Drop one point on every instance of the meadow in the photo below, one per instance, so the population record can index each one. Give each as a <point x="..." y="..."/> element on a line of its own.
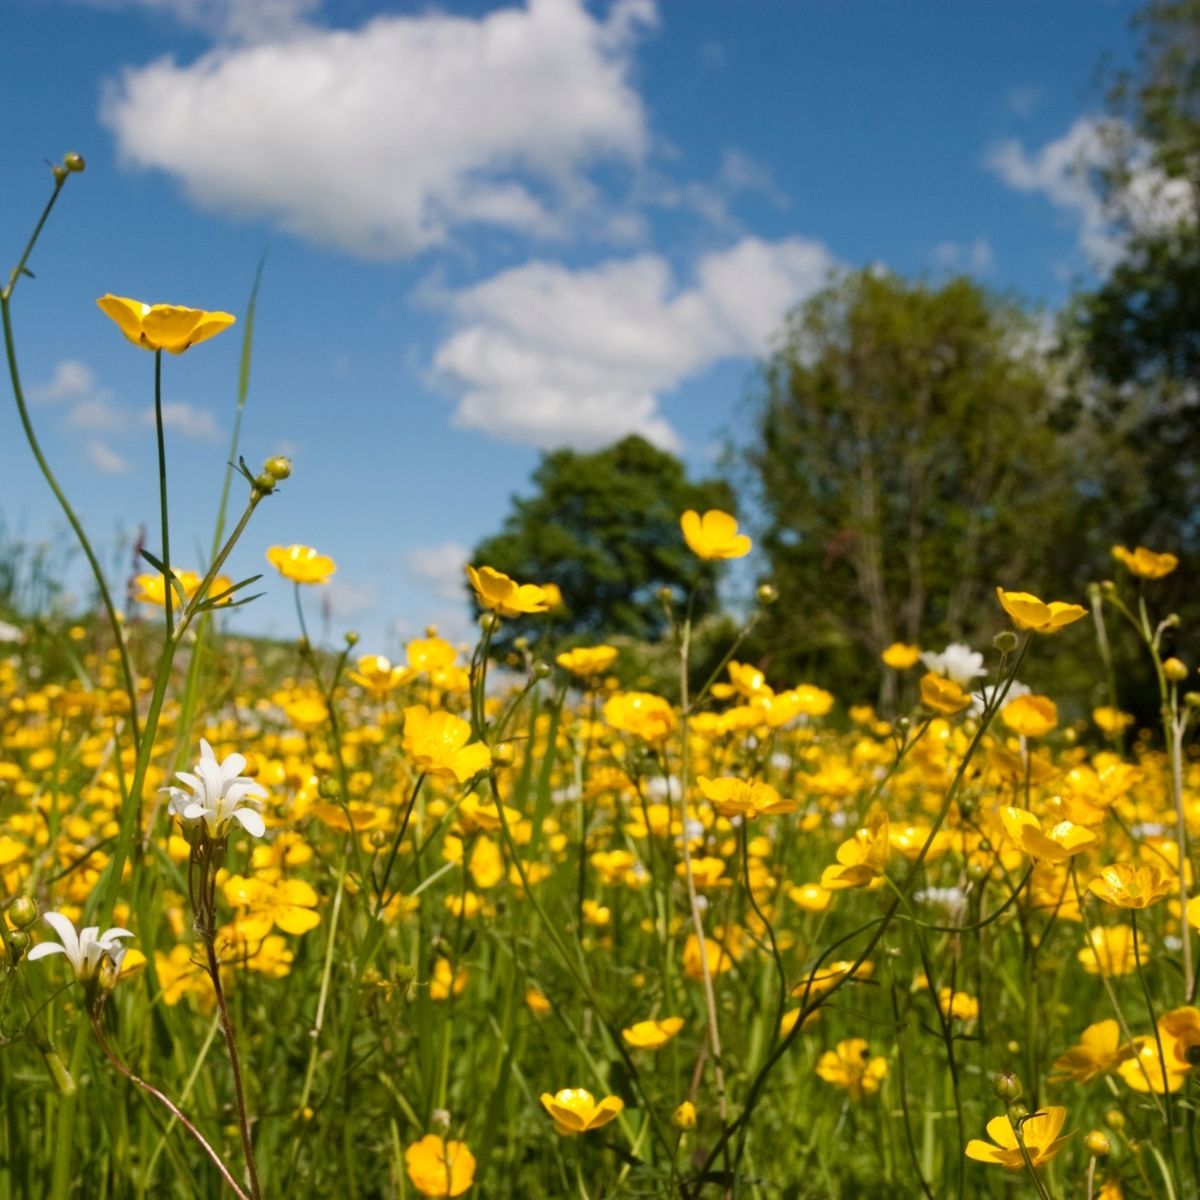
<point x="286" y="920"/>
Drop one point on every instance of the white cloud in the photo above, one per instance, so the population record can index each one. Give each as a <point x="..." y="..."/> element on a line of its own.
<point x="104" y="458"/>
<point x="553" y="357"/>
<point x="348" y="600"/>
<point x="98" y="414"/>
<point x="976" y="256"/>
<point x="71" y="379"/>
<point x="383" y="139"/>
<point x="235" y="19"/>
<point x="186" y="420"/>
<point x="441" y="568"/>
<point x="1064" y="171"/>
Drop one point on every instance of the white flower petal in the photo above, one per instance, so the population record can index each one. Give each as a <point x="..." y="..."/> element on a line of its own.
<point x="250" y="821"/>
<point x="43" y="949"/>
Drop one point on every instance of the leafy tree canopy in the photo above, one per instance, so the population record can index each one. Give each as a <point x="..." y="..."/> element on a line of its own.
<point x="604" y="527"/>
<point x="907" y="463"/>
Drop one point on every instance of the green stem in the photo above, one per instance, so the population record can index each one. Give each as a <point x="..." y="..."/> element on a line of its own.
<point x="168" y="578"/>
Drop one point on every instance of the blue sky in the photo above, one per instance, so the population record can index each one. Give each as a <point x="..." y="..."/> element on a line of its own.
<point x="493" y="229"/>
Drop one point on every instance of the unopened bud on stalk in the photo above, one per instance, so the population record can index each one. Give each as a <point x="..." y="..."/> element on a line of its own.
<point x="1108" y="589"/>
<point x="1017" y="1112"/>
<point x="278" y="467"/>
<point x="684" y="1116"/>
<point x="666" y="595"/>
<point x="1097" y="1144"/>
<point x="489" y="622"/>
<point x="1006" y="1086"/>
<point x="503" y="755"/>
<point x="767" y="593"/>
<point x="541" y="670"/>
<point x="351" y="638"/>
<point x="18" y="942"/>
<point x="1005" y="641"/>
<point x="902" y="725"/>
<point x="1114" y="1119"/>
<point x="74" y="162"/>
<point x="328" y="789"/>
<point x="22" y="912"/>
<point x="1175" y="670"/>
<point x="521" y="644"/>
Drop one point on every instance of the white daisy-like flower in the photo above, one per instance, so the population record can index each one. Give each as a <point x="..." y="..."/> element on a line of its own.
<point x="85" y="949"/>
<point x="220" y="794"/>
<point x="982" y="698"/>
<point x="958" y="663"/>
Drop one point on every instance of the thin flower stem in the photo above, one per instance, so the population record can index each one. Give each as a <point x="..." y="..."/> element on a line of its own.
<point x="1037" y="1181"/>
<point x="171" y="1107"/>
<point x="164" y="521"/>
<point x="214" y="971"/>
<point x="881" y="924"/>
<point x="710" y="997"/>
<point x="781" y="974"/>
<point x="1168" y="1113"/>
<point x="1112" y="995"/>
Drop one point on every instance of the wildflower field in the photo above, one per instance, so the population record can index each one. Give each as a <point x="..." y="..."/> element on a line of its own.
<point x="280" y="920"/>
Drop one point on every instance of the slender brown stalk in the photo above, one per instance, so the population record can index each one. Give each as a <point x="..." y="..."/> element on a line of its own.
<point x="214" y="971"/>
<point x="169" y="1105"/>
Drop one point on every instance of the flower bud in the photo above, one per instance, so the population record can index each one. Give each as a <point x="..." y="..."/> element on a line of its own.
<point x="1192" y="699"/>
<point x="440" y="1119"/>
<point x="1175" y="670"/>
<point x="19" y="942"/>
<point x="264" y="483"/>
<point x="541" y="670"/>
<point x="351" y="638"/>
<point x="684" y="1116"/>
<point x="489" y="622"/>
<point x="431" y="631"/>
<point x="767" y="593"/>
<point x="521" y="644"/>
<point x="278" y="467"/>
<point x="1108" y="589"/>
<point x="74" y="162"/>
<point x="22" y="912"/>
<point x="503" y="754"/>
<point x="59" y="173"/>
<point x="1017" y="1112"/>
<point x="1097" y="1144"/>
<point x="1114" y="1119"/>
<point x="902" y="725"/>
<point x="328" y="788"/>
<point x="666" y="595"/>
<point x="1006" y="1086"/>
<point x="1005" y="641"/>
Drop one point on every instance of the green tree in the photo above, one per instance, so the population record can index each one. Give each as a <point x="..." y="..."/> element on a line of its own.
<point x="604" y="527"/>
<point x="906" y="464"/>
<point x="1140" y="327"/>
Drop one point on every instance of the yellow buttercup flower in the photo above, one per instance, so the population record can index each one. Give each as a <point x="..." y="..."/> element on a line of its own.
<point x="743" y="798"/>
<point x="1146" y="564"/>
<point x="1039" y="1133"/>
<point x="643" y="714"/>
<point x="942" y="695"/>
<point x="163" y="326"/>
<point x="1130" y="887"/>
<point x="1030" y="716"/>
<point x="901" y="655"/>
<point x="851" y="1067"/>
<point x="1099" y="1051"/>
<point x="714" y="535"/>
<point x="576" y="1110"/>
<point x="376" y="674"/>
<point x="650" y="1035"/>
<point x="150" y="588"/>
<point x="862" y="860"/>
<point x="684" y="1117"/>
<point x="494" y="590"/>
<point x="1028" y="612"/>
<point x="437" y="743"/>
<point x="1112" y="720"/>
<point x="439" y="1168"/>
<point x="301" y="564"/>
<point x="1063" y="841"/>
<point x="588" y="661"/>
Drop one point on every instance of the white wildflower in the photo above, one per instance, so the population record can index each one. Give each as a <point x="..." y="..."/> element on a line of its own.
<point x="219" y="794"/>
<point x="958" y="663"/>
<point x="84" y="950"/>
